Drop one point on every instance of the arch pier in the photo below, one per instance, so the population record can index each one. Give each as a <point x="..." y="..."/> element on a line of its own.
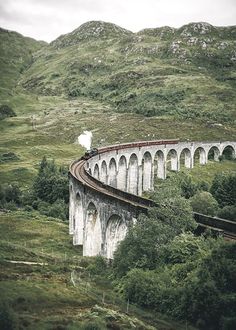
<point x="105" y="190"/>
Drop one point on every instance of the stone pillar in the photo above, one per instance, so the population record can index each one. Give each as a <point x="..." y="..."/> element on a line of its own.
<point x="187" y="160"/>
<point x="140" y="180"/>
<point x="71" y="211"/>
<point x="174" y="163"/>
<point x="203" y="157"/>
<point x="153" y="176"/>
<point x="79" y="222"/>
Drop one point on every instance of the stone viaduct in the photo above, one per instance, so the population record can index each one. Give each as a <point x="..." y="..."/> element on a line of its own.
<point x="106" y="189"/>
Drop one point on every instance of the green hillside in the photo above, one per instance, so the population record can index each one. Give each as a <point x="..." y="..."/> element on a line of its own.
<point x="16" y="54"/>
<point x="185" y="73"/>
<point x="53" y="287"/>
<point x="155" y="84"/>
<point x="101" y="76"/>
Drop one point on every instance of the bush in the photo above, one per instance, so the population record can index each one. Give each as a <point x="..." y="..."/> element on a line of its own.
<point x="6" y="111"/>
<point x="10" y="196"/>
<point x="56" y="210"/>
<point x="97" y="324"/>
<point x="229" y="323"/>
<point x="228" y="213"/>
<point x="51" y="183"/>
<point x="98" y="266"/>
<point x="203" y="202"/>
<point x="8" y="157"/>
<point x="8" y="320"/>
<point x="12" y="193"/>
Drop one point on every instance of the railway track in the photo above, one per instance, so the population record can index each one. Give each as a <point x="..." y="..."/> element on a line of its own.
<point x="78" y="171"/>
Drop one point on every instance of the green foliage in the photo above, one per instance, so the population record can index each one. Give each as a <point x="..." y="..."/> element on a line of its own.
<point x="196" y="282"/>
<point x="179" y="183"/>
<point x="228" y="212"/>
<point x="224" y="189"/>
<point x="8" y="319"/>
<point x="141" y="286"/>
<point x="203" y="202"/>
<point x="97" y="324"/>
<point x="58" y="209"/>
<point x="140" y="247"/>
<point x="51" y="183"/>
<point x="142" y="244"/>
<point x="10" y="196"/>
<point x="6" y="111"/>
<point x="8" y="157"/>
<point x="183" y="248"/>
<point x="98" y="266"/>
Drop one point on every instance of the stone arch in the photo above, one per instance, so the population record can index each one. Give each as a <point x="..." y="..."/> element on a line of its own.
<point x="78" y="221"/>
<point x="185" y="158"/>
<point x="96" y="173"/>
<point x="115" y="232"/>
<point x="112" y="178"/>
<point x="93" y="232"/>
<point x="103" y="174"/>
<point x="228" y="152"/>
<point x="122" y="174"/>
<point x="213" y="153"/>
<point x="159" y="164"/>
<point x="200" y="156"/>
<point x="172" y="160"/>
<point x="133" y="174"/>
<point x="146" y="171"/>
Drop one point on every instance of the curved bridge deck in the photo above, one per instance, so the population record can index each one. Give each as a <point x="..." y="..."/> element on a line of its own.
<point x="105" y="189"/>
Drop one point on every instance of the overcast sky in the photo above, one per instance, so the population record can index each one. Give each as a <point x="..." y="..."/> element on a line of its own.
<point x="47" y="19"/>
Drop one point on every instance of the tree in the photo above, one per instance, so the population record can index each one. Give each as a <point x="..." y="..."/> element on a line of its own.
<point x="203" y="202"/>
<point x="51" y="183"/>
<point x="142" y="244"/>
<point x="228" y="212"/>
<point x="223" y="189"/>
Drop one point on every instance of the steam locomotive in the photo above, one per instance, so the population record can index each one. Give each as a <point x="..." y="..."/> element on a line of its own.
<point x="90" y="153"/>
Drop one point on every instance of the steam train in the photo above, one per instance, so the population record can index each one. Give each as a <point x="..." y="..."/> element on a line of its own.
<point x="94" y="151"/>
<point x="89" y="153"/>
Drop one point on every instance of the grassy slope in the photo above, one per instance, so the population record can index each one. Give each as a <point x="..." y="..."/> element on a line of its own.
<point x="188" y="73"/>
<point x="56" y="133"/>
<point x="15" y="56"/>
<point x="108" y="68"/>
<point x="43" y="297"/>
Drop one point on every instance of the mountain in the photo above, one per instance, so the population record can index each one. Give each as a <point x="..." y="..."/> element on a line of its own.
<point x="15" y="56"/>
<point x="90" y="31"/>
<point x="187" y="72"/>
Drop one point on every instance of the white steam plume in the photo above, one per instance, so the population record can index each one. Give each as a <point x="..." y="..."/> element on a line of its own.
<point x="85" y="139"/>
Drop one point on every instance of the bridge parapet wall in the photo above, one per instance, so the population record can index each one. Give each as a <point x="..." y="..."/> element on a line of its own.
<point x="105" y="191"/>
<point x="144" y="163"/>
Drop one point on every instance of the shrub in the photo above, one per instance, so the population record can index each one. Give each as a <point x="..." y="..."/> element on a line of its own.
<point x="203" y="202"/>
<point x="10" y="196"/>
<point x="98" y="266"/>
<point x="8" y="157"/>
<point x="56" y="210"/>
<point x="6" y="111"/>
<point x="97" y="324"/>
<point x="12" y="193"/>
<point x="8" y="320"/>
<point x="228" y="212"/>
